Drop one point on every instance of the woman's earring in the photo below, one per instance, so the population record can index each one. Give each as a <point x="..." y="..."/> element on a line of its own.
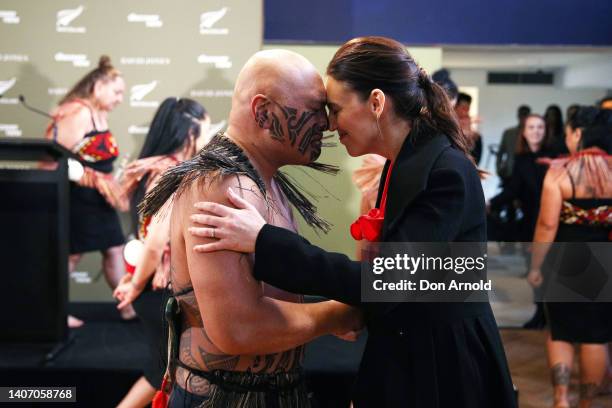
<point x="378" y="126"/>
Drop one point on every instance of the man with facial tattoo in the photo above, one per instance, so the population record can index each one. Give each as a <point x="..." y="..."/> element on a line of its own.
<point x="238" y="341"/>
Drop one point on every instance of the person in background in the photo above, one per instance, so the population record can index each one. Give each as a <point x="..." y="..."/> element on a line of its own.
<point x="176" y="133"/>
<point x="82" y="128"/>
<point x="606" y="103"/>
<point x="576" y="206"/>
<point x="462" y="108"/>
<point x="571" y="111"/>
<point x="554" y="128"/>
<point x="442" y="78"/>
<point x="525" y="186"/>
<point x="501" y="222"/>
<point x="507" y="147"/>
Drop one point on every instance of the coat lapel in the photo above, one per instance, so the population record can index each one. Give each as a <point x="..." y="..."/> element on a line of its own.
<point x="409" y="176"/>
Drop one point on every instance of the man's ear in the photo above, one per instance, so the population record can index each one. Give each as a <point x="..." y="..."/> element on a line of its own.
<point x="260" y="106"/>
<point x="376" y="102"/>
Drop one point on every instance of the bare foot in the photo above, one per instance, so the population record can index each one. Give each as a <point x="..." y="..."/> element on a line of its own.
<point x="73" y="322"/>
<point x="128" y="313"/>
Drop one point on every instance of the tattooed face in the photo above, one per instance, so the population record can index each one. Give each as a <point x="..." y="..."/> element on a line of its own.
<point x="301" y="128"/>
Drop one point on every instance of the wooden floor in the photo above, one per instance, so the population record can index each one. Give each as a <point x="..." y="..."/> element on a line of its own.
<point x="526" y="353"/>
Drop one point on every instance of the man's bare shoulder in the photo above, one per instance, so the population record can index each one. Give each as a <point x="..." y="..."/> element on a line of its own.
<point x="214" y="189"/>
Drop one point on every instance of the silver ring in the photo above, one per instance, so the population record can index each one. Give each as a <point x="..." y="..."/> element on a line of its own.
<point x="213" y="233"/>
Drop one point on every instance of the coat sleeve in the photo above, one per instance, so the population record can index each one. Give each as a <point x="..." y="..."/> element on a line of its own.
<point x="287" y="261"/>
<point x="511" y="190"/>
<point x="500" y="160"/>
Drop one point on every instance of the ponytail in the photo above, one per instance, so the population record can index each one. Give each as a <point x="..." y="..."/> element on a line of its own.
<point x="175" y="121"/>
<point x="438" y="115"/>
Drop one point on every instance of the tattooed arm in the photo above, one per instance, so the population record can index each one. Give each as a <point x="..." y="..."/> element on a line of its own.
<point x="238" y="318"/>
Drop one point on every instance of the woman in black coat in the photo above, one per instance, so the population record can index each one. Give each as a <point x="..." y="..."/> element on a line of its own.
<point x="525" y="185"/>
<point x="527" y="175"/>
<point x="422" y="355"/>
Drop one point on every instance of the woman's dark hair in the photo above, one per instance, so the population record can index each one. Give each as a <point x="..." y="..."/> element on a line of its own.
<point x="442" y="78"/>
<point x="174" y="122"/>
<point x="570" y="111"/>
<point x="522" y="112"/>
<point x="554" y="122"/>
<point x="369" y="63"/>
<point x="521" y="144"/>
<point x="596" y="125"/>
<point x="463" y="97"/>
<point x="84" y="88"/>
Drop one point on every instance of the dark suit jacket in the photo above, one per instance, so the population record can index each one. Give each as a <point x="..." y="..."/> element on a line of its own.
<point x="423" y="355"/>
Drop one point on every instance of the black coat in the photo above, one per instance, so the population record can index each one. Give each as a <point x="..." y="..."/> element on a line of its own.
<point x="418" y="355"/>
<point x="526" y="186"/>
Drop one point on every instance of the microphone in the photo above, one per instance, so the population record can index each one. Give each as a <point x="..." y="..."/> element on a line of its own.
<point x="23" y="102"/>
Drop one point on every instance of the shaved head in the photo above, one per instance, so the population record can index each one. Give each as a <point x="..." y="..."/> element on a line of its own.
<point x="278" y="73"/>
<point x="279" y="106"/>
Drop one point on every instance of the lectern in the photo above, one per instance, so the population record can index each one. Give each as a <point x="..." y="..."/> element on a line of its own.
<point x="33" y="241"/>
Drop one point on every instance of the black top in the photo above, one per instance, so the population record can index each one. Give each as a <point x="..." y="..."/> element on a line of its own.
<point x="476" y="150"/>
<point x="504" y="162"/>
<point x="525" y="186"/>
<point x="422" y="355"/>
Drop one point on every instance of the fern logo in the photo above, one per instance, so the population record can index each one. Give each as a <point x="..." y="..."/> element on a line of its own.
<point x="138" y="93"/>
<point x="66" y="17"/>
<point x="5" y="86"/>
<point x="209" y="19"/>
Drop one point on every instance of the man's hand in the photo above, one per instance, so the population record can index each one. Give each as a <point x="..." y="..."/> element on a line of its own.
<point x="350" y="336"/>
<point x="234" y="229"/>
<point x="350" y="321"/>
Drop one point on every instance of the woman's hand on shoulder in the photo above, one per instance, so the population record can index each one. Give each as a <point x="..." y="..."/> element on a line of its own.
<point x="233" y="229"/>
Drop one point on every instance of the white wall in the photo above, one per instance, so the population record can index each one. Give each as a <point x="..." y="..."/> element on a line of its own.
<point x="497" y="105"/>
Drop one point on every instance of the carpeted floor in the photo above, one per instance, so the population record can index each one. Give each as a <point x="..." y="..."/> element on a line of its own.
<point x="103" y="358"/>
